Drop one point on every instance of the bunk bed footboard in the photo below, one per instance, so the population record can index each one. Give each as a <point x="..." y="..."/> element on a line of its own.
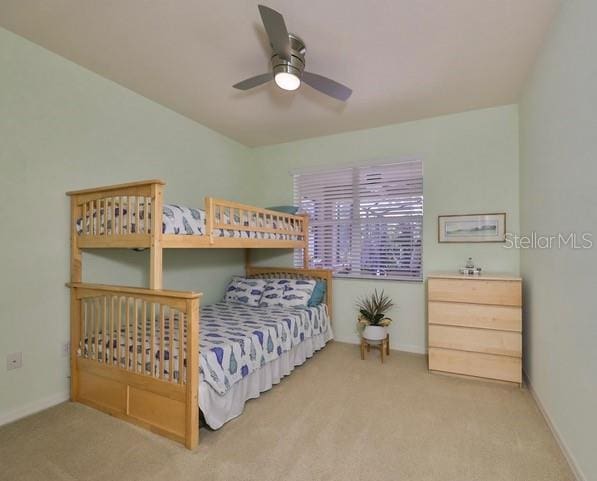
<point x="135" y="355"/>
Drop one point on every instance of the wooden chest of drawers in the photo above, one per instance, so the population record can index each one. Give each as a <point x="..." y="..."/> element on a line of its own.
<point x="475" y="325"/>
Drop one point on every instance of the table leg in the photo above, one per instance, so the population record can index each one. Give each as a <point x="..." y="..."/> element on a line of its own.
<point x="388" y="344"/>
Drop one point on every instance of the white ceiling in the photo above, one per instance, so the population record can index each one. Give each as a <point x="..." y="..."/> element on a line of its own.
<point x="404" y="59"/>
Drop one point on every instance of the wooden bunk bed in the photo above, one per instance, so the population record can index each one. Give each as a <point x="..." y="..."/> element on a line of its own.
<point x="119" y="335"/>
<point x="106" y="215"/>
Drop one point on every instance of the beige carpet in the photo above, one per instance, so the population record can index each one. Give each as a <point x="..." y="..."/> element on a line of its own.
<point x="335" y="418"/>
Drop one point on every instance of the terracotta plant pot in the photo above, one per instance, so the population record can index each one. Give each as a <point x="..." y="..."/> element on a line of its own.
<point x="375" y="334"/>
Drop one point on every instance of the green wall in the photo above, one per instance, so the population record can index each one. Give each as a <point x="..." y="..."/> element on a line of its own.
<point x="62" y="128"/>
<point x="557" y="195"/>
<point x="470" y="163"/>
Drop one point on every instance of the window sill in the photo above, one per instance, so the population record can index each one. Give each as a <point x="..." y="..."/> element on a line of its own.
<point x="378" y="278"/>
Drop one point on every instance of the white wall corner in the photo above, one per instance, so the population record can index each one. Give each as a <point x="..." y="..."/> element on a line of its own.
<point x="578" y="474"/>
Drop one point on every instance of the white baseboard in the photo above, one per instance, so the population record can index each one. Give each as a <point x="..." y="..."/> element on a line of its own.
<point x="578" y="474"/>
<point x="395" y="347"/>
<point x="34" y="407"/>
<point x="410" y="348"/>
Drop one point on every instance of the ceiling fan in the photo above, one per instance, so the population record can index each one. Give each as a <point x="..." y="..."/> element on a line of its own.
<point x="288" y="61"/>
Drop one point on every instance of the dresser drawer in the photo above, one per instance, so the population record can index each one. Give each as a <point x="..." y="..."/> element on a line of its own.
<point x="506" y="318"/>
<point x="476" y="291"/>
<point x="503" y="368"/>
<point x="506" y="343"/>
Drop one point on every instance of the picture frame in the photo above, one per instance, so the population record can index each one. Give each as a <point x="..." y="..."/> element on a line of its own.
<point x="471" y="228"/>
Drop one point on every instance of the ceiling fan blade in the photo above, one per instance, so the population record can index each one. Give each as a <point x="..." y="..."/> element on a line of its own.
<point x="276" y="31"/>
<point x="327" y="86"/>
<point x="253" y="81"/>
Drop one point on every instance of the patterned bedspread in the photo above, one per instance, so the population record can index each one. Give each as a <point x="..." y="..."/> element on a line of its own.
<point x="235" y="340"/>
<point x="183" y="220"/>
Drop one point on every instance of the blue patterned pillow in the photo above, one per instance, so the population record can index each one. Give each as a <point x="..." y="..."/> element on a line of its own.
<point x="287" y="292"/>
<point x="245" y="291"/>
<point x="297" y="292"/>
<point x="273" y="293"/>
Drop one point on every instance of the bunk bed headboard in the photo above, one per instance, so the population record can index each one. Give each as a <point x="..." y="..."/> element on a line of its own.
<point x="108" y="212"/>
<point x="295" y="273"/>
<point x="106" y="217"/>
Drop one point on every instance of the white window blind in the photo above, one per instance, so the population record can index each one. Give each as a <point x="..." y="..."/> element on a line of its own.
<point x="364" y="221"/>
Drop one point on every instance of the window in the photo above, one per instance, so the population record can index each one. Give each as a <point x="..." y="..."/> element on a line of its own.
<point x="365" y="221"/>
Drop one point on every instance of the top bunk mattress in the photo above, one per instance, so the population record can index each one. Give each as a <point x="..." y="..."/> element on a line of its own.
<point x="181" y="220"/>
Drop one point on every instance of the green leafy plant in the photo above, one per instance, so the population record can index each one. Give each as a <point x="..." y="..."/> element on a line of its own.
<point x="373" y="309"/>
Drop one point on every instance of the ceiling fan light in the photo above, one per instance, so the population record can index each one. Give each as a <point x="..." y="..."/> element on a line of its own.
<point x="287" y="81"/>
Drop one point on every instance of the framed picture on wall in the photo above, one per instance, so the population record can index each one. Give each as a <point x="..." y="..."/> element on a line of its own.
<point x="472" y="228"/>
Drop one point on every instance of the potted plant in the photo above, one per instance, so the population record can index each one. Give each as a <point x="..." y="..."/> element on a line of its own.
<point x="372" y="316"/>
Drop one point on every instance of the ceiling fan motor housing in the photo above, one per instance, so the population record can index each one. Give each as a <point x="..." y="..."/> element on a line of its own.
<point x="296" y="63"/>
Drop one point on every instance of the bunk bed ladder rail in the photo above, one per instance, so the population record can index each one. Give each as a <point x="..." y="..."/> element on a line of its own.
<point x="135" y="355"/>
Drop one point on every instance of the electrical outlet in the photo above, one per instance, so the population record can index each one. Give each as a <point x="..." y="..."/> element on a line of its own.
<point x="14" y="361"/>
<point x="66" y="349"/>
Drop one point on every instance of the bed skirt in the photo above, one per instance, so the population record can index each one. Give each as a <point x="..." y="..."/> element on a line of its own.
<point x="219" y="409"/>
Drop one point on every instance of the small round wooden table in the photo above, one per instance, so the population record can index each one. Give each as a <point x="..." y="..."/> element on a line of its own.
<point x="383" y="346"/>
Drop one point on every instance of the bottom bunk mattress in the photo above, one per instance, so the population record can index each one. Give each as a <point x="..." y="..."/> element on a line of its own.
<point x="246" y="350"/>
<point x="243" y="350"/>
<point x="218" y="409"/>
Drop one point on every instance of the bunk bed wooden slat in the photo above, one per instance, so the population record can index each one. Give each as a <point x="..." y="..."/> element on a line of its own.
<point x="152" y="334"/>
<point x="135" y="331"/>
<point x="84" y="218"/>
<point x="127" y="334"/>
<point x="104" y="325"/>
<point x="121" y="218"/>
<point x="129" y="211"/>
<point x="94" y="326"/>
<point x="171" y="321"/>
<point x="162" y="357"/>
<point x="112" y="338"/>
<point x="181" y="344"/>
<point x="118" y="344"/>
<point x="143" y="335"/>
<point x="138" y="215"/>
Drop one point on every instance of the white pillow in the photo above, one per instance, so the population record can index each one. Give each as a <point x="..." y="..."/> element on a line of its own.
<point x="245" y="291"/>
